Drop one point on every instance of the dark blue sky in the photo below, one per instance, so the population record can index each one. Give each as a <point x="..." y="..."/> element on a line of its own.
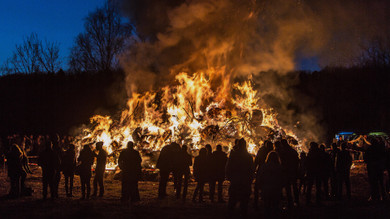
<point x="54" y="20"/>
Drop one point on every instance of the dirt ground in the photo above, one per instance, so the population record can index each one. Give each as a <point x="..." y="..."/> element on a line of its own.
<point x="150" y="207"/>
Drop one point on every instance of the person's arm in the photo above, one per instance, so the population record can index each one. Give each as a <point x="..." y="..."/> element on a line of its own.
<point x="366" y="141"/>
<point x="355" y="140"/>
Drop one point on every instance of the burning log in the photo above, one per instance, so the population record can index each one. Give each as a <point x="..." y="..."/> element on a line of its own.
<point x="210" y="132"/>
<point x="257" y="117"/>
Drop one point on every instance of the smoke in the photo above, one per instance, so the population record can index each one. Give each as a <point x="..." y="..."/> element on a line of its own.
<point x="247" y="37"/>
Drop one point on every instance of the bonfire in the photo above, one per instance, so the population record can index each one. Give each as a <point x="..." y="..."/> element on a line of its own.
<point x="202" y="108"/>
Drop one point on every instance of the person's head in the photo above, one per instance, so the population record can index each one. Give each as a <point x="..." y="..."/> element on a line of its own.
<point x="334" y="146"/>
<point x="242" y="144"/>
<point x="130" y="145"/>
<point x="313" y="146"/>
<point x="278" y="145"/>
<point x="184" y="148"/>
<point x="175" y="147"/>
<point x="86" y="147"/>
<point x="273" y="157"/>
<point x="17" y="139"/>
<point x="203" y="152"/>
<point x="219" y="147"/>
<point x="208" y="148"/>
<point x="236" y="142"/>
<point x="285" y="143"/>
<point x="99" y="145"/>
<point x="302" y="154"/>
<point x="268" y="144"/>
<point x="322" y="147"/>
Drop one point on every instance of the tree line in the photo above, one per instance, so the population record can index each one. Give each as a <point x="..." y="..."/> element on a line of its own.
<point x="346" y="99"/>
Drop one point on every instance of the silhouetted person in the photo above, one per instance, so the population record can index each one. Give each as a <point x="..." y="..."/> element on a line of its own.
<point x="176" y="168"/>
<point x="271" y="177"/>
<point x="165" y="164"/>
<point x="302" y="172"/>
<point x="55" y="139"/>
<point x="240" y="172"/>
<point x="343" y="167"/>
<point x="200" y="170"/>
<point x="184" y="163"/>
<point x="68" y="169"/>
<point x="326" y="168"/>
<point x="261" y="156"/>
<point x="101" y="159"/>
<point x="333" y="175"/>
<point x="25" y="170"/>
<point x="15" y="169"/>
<point x="313" y="166"/>
<point x="218" y="164"/>
<point x="49" y="162"/>
<point x="209" y="177"/>
<point x="86" y="158"/>
<point x="130" y="163"/>
<point x="375" y="157"/>
<point x="290" y="163"/>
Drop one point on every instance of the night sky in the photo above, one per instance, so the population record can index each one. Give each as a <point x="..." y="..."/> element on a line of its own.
<point x="58" y="20"/>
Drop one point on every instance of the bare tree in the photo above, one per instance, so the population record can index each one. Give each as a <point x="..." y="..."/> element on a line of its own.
<point x="33" y="56"/>
<point x="49" y="56"/>
<point x="25" y="58"/>
<point x="6" y="68"/>
<point x="105" y="37"/>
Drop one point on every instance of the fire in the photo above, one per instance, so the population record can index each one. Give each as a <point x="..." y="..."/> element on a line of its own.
<point x="198" y="109"/>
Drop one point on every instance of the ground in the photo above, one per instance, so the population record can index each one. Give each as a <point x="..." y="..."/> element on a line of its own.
<point x="150" y="207"/>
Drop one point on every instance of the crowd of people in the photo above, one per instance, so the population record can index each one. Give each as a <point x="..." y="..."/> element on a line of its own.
<point x="277" y="172"/>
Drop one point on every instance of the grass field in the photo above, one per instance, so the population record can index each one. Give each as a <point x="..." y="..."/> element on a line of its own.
<point x="150" y="207"/>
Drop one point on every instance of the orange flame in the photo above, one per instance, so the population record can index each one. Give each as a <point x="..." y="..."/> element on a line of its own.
<point x="198" y="109"/>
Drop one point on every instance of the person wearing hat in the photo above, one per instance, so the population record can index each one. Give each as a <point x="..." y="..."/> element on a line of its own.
<point x="101" y="159"/>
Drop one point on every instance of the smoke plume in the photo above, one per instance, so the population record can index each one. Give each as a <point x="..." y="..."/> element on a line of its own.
<point x="247" y="37"/>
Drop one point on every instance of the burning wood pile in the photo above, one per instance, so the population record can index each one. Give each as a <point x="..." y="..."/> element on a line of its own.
<point x="204" y="108"/>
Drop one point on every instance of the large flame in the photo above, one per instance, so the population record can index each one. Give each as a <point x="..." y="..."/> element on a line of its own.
<point x="197" y="110"/>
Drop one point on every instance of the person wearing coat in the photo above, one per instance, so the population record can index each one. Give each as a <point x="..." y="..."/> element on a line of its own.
<point x="240" y="173"/>
<point x="271" y="179"/>
<point x="68" y="169"/>
<point x="200" y="170"/>
<point x="218" y="162"/>
<point x="49" y="162"/>
<point x="86" y="159"/>
<point x="130" y="164"/>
